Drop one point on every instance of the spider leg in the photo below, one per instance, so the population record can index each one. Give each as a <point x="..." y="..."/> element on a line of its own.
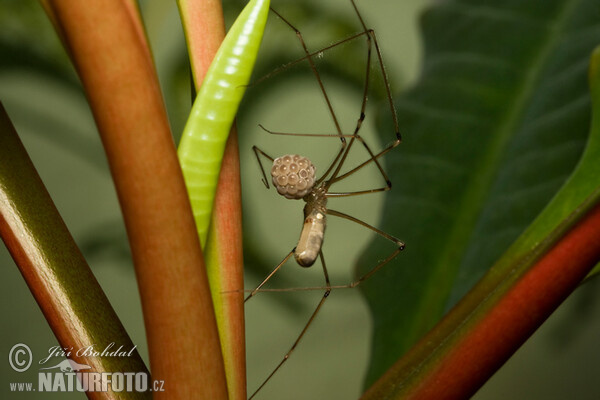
<point x="257" y="153"/>
<point x="310" y="320"/>
<point x="399" y="243"/>
<point x="286" y="66"/>
<point x="399" y="247"/>
<point x="373" y="158"/>
<point x="277" y="268"/>
<point x="308" y="57"/>
<point x="336" y="177"/>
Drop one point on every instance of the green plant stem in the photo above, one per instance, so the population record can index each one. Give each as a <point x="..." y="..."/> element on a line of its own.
<point x="58" y="276"/>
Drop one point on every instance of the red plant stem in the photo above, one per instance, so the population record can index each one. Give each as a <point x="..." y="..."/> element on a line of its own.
<point x="483" y="346"/>
<point x="205" y="30"/>
<point x="122" y="88"/>
<point x="225" y="246"/>
<point x="518" y="314"/>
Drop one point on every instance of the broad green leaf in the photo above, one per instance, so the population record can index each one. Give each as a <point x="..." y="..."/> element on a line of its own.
<point x="495" y="126"/>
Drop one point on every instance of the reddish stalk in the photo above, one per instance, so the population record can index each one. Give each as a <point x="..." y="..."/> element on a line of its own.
<point x="454" y="360"/>
<point x="224" y="251"/>
<point x="122" y="88"/>
<point x="205" y="30"/>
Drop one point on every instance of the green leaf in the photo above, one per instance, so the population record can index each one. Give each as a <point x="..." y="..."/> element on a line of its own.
<point x="205" y="134"/>
<point x="495" y="126"/>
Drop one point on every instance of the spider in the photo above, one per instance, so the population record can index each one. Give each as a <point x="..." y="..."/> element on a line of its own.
<point x="294" y="177"/>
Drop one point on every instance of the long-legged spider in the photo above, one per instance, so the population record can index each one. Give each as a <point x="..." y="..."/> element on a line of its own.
<point x="294" y="178"/>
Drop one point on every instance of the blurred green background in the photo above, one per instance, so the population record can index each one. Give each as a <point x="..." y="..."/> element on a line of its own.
<point x="41" y="94"/>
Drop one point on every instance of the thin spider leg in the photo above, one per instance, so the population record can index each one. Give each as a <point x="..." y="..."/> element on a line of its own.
<point x="257" y="153"/>
<point x="277" y="268"/>
<point x="292" y="289"/>
<point x="338" y="164"/>
<point x="310" y="320"/>
<point x="314" y="70"/>
<point x="290" y="64"/>
<point x="327" y="135"/>
<point x="388" y="89"/>
<point x="357" y="193"/>
<point x="381" y="233"/>
<point x="325" y="96"/>
<point x="386" y="80"/>
<point x="373" y="158"/>
<point x="388" y="182"/>
<point x="332" y="135"/>
<point x="390" y="100"/>
<point x="363" y="105"/>
<point x="370" y="160"/>
<point x="371" y="39"/>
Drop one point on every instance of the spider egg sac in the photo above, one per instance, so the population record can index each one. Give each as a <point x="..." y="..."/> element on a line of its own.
<point x="293" y="176"/>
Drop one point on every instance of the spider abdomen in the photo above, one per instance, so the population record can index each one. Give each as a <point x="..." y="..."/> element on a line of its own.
<point x="313" y="230"/>
<point x="311" y="238"/>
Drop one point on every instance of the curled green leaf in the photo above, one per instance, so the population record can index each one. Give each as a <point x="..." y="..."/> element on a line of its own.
<point x="204" y="136"/>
